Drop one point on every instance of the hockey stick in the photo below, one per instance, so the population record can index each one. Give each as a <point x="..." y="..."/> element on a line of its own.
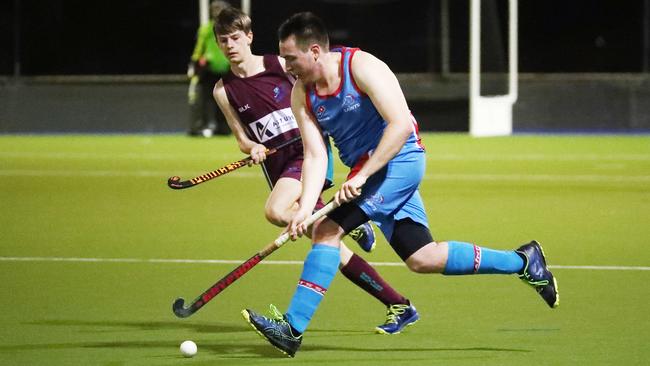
<point x="176" y="183"/>
<point x="183" y="312"/>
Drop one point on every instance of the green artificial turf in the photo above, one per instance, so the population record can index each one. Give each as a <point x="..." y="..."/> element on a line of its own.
<point x="90" y="231"/>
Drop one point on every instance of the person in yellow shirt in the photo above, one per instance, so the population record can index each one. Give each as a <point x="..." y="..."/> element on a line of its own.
<point x="208" y="64"/>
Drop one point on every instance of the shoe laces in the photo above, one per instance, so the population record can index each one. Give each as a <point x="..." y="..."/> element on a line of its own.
<point x="276" y="315"/>
<point x="394" y="311"/>
<point x="528" y="278"/>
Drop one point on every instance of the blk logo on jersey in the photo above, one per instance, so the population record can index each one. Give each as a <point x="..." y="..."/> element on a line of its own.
<point x="350" y="103"/>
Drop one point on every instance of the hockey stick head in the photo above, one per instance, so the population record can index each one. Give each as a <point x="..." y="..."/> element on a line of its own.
<point x="176" y="183"/>
<point x="180" y="310"/>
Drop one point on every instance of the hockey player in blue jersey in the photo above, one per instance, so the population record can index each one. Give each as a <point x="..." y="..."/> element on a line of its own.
<point x="257" y="92"/>
<point x="357" y="100"/>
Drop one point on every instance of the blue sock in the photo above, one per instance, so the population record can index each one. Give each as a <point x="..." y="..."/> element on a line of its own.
<point x="465" y="258"/>
<point x="319" y="269"/>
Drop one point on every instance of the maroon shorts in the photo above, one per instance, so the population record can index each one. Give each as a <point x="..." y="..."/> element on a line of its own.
<point x="286" y="163"/>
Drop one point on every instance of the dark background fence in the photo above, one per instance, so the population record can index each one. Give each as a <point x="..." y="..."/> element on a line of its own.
<point x="583" y="63"/>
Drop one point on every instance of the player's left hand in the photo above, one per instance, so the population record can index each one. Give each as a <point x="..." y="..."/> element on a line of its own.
<point x="296" y="229"/>
<point x="191" y="70"/>
<point x="350" y="189"/>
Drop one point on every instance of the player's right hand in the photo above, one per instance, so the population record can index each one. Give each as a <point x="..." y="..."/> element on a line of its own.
<point x="258" y="154"/>
<point x="350" y="189"/>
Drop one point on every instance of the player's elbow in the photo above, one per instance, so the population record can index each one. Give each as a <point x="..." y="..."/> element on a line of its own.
<point x="402" y="130"/>
<point x="406" y="129"/>
<point x="315" y="156"/>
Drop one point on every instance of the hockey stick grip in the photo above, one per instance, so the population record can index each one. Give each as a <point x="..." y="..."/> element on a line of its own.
<point x="282" y="239"/>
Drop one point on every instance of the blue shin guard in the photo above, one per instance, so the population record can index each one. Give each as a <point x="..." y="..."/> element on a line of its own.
<point x="319" y="269"/>
<point x="465" y="258"/>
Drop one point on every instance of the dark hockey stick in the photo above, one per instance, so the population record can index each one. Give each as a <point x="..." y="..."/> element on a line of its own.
<point x="176" y="183"/>
<point x="183" y="312"/>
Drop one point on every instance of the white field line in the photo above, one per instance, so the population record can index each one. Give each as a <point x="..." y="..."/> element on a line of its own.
<point x="585" y="178"/>
<point x="234" y="156"/>
<point x="270" y="262"/>
<point x="109" y="156"/>
<point x="91" y="173"/>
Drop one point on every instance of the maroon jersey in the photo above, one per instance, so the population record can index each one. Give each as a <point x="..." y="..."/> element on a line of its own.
<point x="263" y="104"/>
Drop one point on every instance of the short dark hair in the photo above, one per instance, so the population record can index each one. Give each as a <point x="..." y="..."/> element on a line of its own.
<point x="232" y="20"/>
<point x="307" y="28"/>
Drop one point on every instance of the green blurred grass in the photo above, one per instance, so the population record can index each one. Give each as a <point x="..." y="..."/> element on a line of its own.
<point x="586" y="198"/>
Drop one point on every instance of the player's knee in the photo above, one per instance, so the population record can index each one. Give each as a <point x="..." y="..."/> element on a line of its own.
<point x="425" y="262"/>
<point x="431" y="258"/>
<point x="408" y="238"/>
<point x="275" y="216"/>
<point x="327" y="231"/>
<point x="418" y="265"/>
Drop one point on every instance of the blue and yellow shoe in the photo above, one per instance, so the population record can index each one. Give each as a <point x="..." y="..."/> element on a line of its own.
<point x="364" y="235"/>
<point x="536" y="273"/>
<point x="276" y="330"/>
<point x="398" y="316"/>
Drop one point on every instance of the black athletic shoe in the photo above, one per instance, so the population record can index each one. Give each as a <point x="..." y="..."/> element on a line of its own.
<point x="536" y="274"/>
<point x="276" y="330"/>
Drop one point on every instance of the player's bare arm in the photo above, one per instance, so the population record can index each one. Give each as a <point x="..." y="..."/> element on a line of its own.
<point x="246" y="145"/>
<point x="315" y="160"/>
<point x="374" y="78"/>
<point x="377" y="80"/>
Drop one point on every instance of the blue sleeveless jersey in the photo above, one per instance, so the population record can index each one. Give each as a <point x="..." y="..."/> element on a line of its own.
<point x="350" y="118"/>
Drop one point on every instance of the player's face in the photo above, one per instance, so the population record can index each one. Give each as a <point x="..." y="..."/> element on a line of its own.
<point x="299" y="63"/>
<point x="236" y="45"/>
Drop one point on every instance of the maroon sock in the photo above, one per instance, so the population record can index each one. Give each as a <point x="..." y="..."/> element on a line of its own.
<point x="363" y="275"/>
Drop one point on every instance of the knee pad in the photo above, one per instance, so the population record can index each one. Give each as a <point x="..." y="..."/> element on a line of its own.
<point x="348" y="216"/>
<point x="408" y="237"/>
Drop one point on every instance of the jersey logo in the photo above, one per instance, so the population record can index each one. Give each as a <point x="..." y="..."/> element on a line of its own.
<point x="278" y="93"/>
<point x="350" y="103"/>
<point x="263" y="129"/>
<point x="244" y="108"/>
<point x="320" y="112"/>
<point x="374" y="201"/>
<point x="273" y="124"/>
